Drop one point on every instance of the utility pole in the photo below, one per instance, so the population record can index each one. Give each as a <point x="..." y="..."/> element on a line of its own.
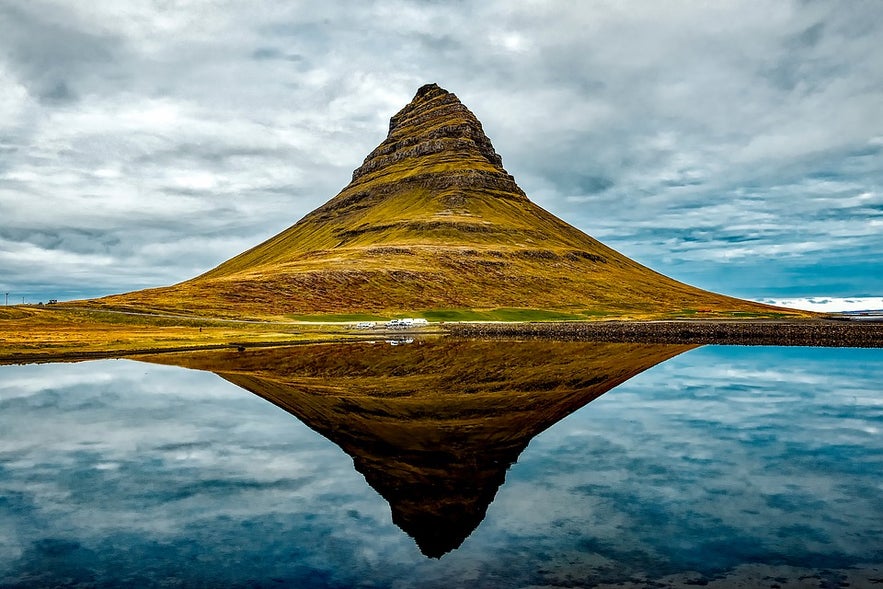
<point x="7" y="299"/>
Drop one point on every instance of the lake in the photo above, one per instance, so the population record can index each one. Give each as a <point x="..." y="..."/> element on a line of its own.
<point x="446" y="463"/>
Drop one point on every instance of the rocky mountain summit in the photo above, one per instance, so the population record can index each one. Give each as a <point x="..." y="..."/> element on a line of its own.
<point x="431" y="220"/>
<point x="434" y="122"/>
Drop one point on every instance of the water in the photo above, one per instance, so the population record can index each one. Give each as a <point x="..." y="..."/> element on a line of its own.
<point x="448" y="464"/>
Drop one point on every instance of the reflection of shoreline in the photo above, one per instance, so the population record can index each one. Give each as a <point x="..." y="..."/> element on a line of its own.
<point x="821" y="333"/>
<point x="434" y="426"/>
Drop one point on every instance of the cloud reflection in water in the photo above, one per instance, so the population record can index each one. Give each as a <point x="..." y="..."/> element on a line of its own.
<point x="721" y="457"/>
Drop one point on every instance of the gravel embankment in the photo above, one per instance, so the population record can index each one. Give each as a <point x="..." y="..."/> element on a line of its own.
<point x="824" y="333"/>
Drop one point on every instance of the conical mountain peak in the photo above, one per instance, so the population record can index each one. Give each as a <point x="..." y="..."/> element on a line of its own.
<point x="431" y="221"/>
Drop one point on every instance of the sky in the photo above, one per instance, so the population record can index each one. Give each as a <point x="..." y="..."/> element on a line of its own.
<point x="737" y="146"/>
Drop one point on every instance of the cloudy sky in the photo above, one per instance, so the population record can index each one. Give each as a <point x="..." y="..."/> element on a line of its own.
<point x="737" y="146"/>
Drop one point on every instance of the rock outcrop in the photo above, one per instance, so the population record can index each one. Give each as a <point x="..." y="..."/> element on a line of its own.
<point x="434" y="122"/>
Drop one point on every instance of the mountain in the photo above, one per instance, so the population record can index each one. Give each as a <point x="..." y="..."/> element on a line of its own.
<point x="433" y="426"/>
<point x="431" y="220"/>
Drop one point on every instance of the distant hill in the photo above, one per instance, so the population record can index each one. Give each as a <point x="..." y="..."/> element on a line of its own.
<point x="431" y="221"/>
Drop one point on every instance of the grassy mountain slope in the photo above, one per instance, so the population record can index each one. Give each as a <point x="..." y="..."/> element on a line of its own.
<point x="431" y="220"/>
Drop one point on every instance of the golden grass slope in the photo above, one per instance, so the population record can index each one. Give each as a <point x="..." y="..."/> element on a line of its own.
<point x="431" y="220"/>
<point x="37" y="334"/>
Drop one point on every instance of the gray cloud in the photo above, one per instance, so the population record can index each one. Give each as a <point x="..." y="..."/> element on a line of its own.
<point x="708" y="141"/>
<point x="53" y="51"/>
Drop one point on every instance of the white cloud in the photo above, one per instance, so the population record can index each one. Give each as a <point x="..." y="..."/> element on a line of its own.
<point x="828" y="304"/>
<point x="13" y="99"/>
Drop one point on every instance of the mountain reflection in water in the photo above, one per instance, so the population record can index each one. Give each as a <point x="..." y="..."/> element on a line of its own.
<point x="434" y="425"/>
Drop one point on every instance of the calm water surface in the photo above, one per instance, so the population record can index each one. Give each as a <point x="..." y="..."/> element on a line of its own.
<point x="760" y="466"/>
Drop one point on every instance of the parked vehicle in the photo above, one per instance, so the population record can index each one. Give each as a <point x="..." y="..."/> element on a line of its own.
<point x="406" y="323"/>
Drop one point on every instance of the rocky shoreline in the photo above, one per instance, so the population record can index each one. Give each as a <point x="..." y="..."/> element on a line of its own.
<point x="817" y="333"/>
